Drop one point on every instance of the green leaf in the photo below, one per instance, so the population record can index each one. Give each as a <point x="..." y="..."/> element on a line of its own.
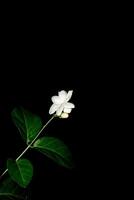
<point x="28" y="124"/>
<point x="54" y="149"/>
<point x="9" y="190"/>
<point x="21" y="171"/>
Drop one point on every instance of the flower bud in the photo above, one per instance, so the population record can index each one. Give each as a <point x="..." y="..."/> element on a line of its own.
<point x="64" y="115"/>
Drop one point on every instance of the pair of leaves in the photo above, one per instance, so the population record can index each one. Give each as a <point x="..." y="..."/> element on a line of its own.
<point x="29" y="125"/>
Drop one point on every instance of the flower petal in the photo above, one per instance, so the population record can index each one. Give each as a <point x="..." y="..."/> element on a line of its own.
<point x="53" y="108"/>
<point x="67" y="110"/>
<point x="69" y="95"/>
<point x="59" y="110"/>
<point x="62" y="95"/>
<point x="56" y="100"/>
<point x="69" y="105"/>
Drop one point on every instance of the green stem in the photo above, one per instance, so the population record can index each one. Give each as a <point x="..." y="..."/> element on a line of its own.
<point x="26" y="149"/>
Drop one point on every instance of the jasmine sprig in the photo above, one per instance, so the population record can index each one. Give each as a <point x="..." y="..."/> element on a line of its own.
<point x="30" y="127"/>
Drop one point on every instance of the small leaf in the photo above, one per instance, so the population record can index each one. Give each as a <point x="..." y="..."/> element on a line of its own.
<point x="28" y="124"/>
<point x="10" y="190"/>
<point x="21" y="171"/>
<point x="54" y="149"/>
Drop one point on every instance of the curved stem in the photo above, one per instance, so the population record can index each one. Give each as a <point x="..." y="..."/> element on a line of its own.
<point x="26" y="149"/>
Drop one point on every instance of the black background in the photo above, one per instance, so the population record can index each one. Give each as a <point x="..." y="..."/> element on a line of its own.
<point x="40" y="58"/>
<point x="32" y="72"/>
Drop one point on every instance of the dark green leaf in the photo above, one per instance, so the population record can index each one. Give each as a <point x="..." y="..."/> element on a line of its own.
<point x="9" y="190"/>
<point x="21" y="171"/>
<point x="28" y="124"/>
<point x="55" y="149"/>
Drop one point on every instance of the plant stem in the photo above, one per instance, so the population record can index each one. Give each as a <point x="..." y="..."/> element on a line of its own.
<point x="26" y="149"/>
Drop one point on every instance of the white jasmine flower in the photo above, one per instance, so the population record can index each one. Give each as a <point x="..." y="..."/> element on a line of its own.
<point x="61" y="105"/>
